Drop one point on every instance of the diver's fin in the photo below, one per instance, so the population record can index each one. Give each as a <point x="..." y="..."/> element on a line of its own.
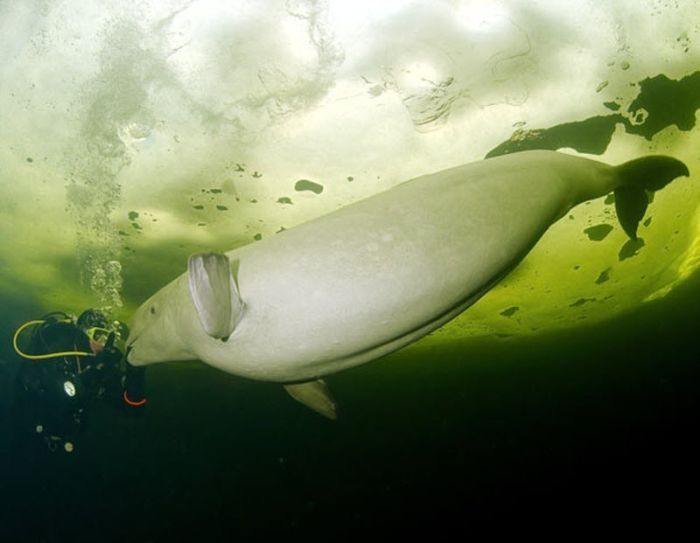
<point x="315" y="395"/>
<point x="650" y="173"/>
<point x="214" y="293"/>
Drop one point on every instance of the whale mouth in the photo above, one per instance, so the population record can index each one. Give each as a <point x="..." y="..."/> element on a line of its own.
<point x="130" y="342"/>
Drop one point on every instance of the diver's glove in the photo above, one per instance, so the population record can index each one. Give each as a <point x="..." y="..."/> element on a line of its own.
<point x="134" y="386"/>
<point x="110" y="355"/>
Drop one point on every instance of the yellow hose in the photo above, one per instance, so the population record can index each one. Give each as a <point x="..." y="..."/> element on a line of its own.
<point x="42" y="356"/>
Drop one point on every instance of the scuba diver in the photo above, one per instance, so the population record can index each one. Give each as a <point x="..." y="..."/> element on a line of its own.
<point x="69" y="363"/>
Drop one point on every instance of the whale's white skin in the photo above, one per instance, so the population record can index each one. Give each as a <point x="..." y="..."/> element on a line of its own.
<point x="376" y="275"/>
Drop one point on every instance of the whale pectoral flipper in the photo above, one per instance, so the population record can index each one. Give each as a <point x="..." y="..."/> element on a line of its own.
<point x="214" y="293"/>
<point x="315" y="395"/>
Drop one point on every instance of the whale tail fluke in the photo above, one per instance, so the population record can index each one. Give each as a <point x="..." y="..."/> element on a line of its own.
<point x="638" y="176"/>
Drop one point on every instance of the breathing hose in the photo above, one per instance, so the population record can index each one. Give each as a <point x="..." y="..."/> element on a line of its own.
<point x="42" y="356"/>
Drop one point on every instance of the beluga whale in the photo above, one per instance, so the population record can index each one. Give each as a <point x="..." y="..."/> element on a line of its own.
<point x="374" y="276"/>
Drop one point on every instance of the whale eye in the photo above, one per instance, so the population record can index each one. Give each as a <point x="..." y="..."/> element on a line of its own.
<point x="153" y="310"/>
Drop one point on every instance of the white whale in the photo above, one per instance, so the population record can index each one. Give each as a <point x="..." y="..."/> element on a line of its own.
<point x="378" y="274"/>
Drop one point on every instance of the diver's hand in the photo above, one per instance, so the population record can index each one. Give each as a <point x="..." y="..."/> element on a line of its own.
<point x="134" y="395"/>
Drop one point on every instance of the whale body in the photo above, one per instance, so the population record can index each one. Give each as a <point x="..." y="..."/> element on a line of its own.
<point x="378" y="274"/>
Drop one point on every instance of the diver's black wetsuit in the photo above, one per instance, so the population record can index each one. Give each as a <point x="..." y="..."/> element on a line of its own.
<point x="54" y="395"/>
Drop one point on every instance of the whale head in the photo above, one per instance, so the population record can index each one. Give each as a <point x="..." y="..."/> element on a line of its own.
<point x="156" y="331"/>
<point x="177" y="321"/>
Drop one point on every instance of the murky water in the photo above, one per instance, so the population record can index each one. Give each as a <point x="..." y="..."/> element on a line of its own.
<point x="599" y="418"/>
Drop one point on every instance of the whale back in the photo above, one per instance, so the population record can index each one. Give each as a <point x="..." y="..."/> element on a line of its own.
<point x="378" y="274"/>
